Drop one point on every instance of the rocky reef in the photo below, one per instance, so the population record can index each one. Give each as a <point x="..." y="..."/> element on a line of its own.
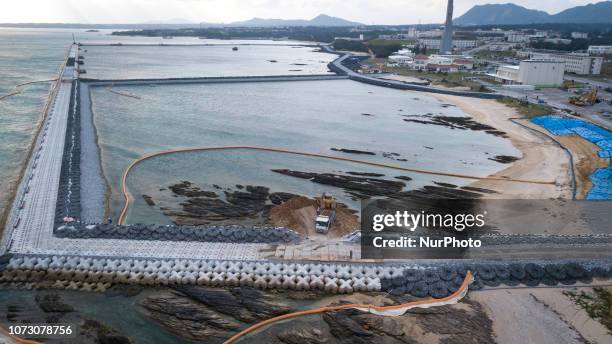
<point x="362" y="187"/>
<point x="452" y="122"/>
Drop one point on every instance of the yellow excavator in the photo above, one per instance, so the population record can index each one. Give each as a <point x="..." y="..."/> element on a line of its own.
<point x="585" y="99"/>
<point x="326" y="213"/>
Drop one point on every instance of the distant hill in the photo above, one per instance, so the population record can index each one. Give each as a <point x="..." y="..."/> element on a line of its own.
<point x="501" y="14"/>
<point x="600" y="12"/>
<point x="320" y="20"/>
<point x="508" y="14"/>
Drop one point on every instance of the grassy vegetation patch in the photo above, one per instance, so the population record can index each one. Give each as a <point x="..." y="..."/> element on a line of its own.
<point x="346" y="45"/>
<point x="384" y="47"/>
<point x="606" y="68"/>
<point x="459" y="79"/>
<point x="527" y="109"/>
<point x="493" y="54"/>
<point x="597" y="304"/>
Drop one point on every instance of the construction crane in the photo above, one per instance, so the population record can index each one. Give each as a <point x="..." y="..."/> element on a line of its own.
<point x="326" y="214"/>
<point x="585" y="99"/>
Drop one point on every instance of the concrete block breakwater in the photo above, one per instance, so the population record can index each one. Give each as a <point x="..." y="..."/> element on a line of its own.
<point x="442" y="281"/>
<point x="100" y="273"/>
<point x="97" y="274"/>
<point x="205" y="80"/>
<point x="229" y="233"/>
<point x="68" y="198"/>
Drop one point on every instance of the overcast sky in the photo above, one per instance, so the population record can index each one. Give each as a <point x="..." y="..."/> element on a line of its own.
<point x="138" y="11"/>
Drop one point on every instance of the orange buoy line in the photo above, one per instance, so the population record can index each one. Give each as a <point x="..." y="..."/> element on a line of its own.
<point x="10" y="94"/>
<point x="126" y="194"/>
<point x="122" y="93"/>
<point x="17" y="87"/>
<point x="35" y="82"/>
<point x="380" y="310"/>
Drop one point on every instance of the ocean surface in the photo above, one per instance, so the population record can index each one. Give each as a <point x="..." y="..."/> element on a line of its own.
<point x="25" y="55"/>
<point x="307" y="116"/>
<point x="147" y="62"/>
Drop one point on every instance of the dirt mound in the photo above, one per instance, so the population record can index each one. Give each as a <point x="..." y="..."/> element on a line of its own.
<point x="299" y="214"/>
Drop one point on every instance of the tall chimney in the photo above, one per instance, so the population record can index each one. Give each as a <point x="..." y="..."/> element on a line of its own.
<point x="446" y="45"/>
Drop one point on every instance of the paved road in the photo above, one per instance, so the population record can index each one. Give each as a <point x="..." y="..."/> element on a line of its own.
<point x="599" y="83"/>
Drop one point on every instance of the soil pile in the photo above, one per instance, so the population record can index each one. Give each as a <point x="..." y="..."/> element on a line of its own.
<point x="299" y="214"/>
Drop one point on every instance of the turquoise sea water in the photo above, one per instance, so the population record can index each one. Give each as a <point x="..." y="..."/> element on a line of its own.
<point x="146" y="62"/>
<point x="25" y="55"/>
<point x="308" y="116"/>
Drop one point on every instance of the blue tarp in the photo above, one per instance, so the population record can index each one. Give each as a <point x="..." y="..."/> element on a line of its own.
<point x="601" y="179"/>
<point x="560" y="125"/>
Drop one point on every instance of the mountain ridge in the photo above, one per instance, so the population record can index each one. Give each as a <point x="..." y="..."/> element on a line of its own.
<point x="320" y="20"/>
<point x="512" y="14"/>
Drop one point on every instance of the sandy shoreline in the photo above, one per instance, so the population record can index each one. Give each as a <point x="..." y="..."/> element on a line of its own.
<point x="542" y="158"/>
<point x="559" y="320"/>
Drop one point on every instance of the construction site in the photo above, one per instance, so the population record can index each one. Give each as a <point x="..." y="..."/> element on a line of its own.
<point x="65" y="232"/>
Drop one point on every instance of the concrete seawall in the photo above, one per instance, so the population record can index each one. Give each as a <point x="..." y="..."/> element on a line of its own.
<point x="437" y="280"/>
<point x="212" y="80"/>
<point x="207" y="233"/>
<point x="338" y="67"/>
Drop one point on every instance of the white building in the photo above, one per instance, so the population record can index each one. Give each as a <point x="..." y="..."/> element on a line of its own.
<point x="581" y="64"/>
<point x="516" y="37"/>
<point x="600" y="49"/>
<point x="558" y="40"/>
<point x="403" y="57"/>
<point x="412" y="32"/>
<point x="401" y="60"/>
<point x="502" y="46"/>
<point x="459" y="44"/>
<point x="437" y="63"/>
<point x="537" y="72"/>
<point x="580" y="35"/>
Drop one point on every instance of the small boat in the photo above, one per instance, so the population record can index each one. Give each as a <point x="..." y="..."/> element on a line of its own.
<point x="235" y="48"/>
<point x="167" y="37"/>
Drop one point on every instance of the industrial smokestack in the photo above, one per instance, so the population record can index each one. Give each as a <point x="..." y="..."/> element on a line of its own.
<point x="446" y="45"/>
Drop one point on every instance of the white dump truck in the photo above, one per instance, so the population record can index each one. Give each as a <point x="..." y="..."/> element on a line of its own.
<point x="326" y="214"/>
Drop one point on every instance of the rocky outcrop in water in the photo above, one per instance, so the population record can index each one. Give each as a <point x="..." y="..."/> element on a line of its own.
<point x="148" y="200"/>
<point x="281" y="197"/>
<point x="245" y="304"/>
<point x="187" y="189"/>
<point x="362" y="187"/>
<point x="203" y="207"/>
<point x="52" y="303"/>
<point x="303" y="335"/>
<point x="365" y="174"/>
<point x="504" y="159"/>
<point x="462" y="123"/>
<point x="352" y="151"/>
<point x="208" y="314"/>
<point x="189" y="319"/>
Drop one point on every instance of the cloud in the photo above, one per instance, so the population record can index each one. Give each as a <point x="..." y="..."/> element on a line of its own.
<point x="137" y="11"/>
